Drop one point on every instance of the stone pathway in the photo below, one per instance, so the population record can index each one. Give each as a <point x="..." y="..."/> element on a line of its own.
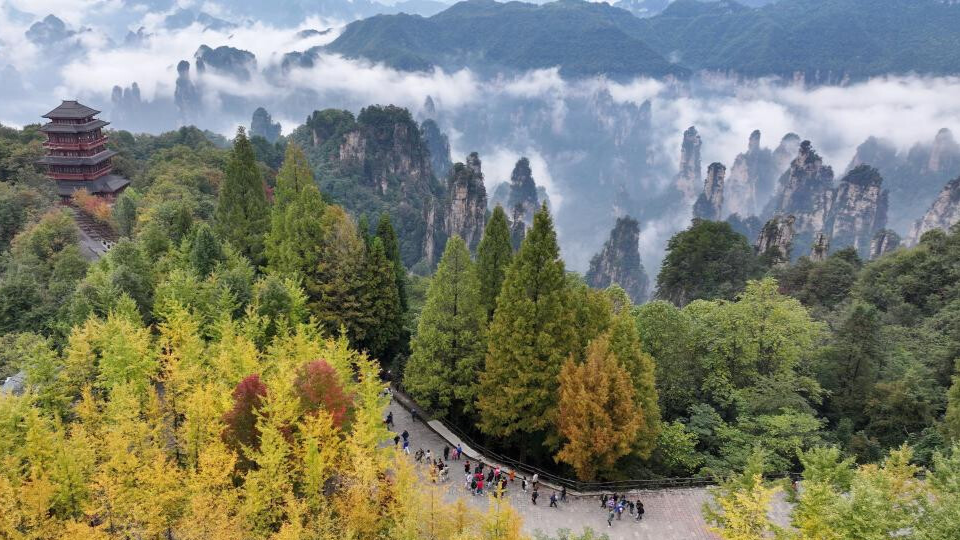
<point x="670" y="514"/>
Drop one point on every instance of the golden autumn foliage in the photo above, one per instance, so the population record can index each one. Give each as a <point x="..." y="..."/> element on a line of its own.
<point x="133" y="446"/>
<point x="598" y="419"/>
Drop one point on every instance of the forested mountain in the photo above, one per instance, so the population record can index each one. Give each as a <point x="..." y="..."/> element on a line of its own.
<point x="583" y="38"/>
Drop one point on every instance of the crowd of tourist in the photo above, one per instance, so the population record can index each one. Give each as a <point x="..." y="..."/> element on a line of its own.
<point x="479" y="478"/>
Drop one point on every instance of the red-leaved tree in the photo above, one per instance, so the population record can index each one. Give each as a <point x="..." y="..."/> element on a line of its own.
<point x="318" y="386"/>
<point x="241" y="420"/>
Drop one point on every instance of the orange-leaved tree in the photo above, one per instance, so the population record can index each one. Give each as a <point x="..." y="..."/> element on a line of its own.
<point x="598" y="418"/>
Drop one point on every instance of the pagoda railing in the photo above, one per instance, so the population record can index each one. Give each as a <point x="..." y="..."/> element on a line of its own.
<point x="79" y="145"/>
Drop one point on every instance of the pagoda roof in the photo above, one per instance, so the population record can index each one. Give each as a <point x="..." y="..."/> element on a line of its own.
<point x="71" y="109"/>
<point x="110" y="183"/>
<point x="50" y="127"/>
<point x="77" y="160"/>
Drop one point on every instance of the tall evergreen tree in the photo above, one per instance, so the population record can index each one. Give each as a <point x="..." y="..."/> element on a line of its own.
<point x="531" y="336"/>
<point x="382" y="318"/>
<point x="242" y="213"/>
<point x="335" y="284"/>
<point x="493" y="258"/>
<point x="205" y="250"/>
<point x="391" y="245"/>
<point x="449" y="346"/>
<point x="625" y="345"/>
<point x="292" y="245"/>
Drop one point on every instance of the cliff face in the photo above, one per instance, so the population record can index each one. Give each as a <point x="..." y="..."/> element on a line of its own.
<point x="848" y="215"/>
<point x="945" y="153"/>
<point x="884" y="241"/>
<point x="800" y="188"/>
<point x="379" y="162"/>
<point x="688" y="179"/>
<point x="751" y="179"/>
<point x="262" y="125"/>
<point x="619" y="262"/>
<point x="186" y="95"/>
<point x="709" y="204"/>
<point x="466" y="202"/>
<point x="775" y="241"/>
<point x="943" y="213"/>
<point x="821" y="247"/>
<point x="858" y="210"/>
<point x="915" y="177"/>
<point x="785" y="152"/>
<point x="523" y="192"/>
<point x="438" y="145"/>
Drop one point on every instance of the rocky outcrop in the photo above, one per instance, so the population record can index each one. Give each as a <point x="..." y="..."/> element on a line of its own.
<point x="751" y="179"/>
<point x="225" y="60"/>
<point x="945" y="154"/>
<point x="379" y="160"/>
<point x="802" y="186"/>
<point x="186" y="95"/>
<point x="884" y="241"/>
<point x="775" y="241"/>
<point x="262" y="125"/>
<point x="709" y="204"/>
<point x="522" y="200"/>
<point x="619" y="262"/>
<point x="914" y="178"/>
<point x="849" y="214"/>
<point x="127" y="103"/>
<point x="857" y="210"/>
<point x="518" y="228"/>
<point x="821" y="247"/>
<point x="438" y="145"/>
<point x="785" y="152"/>
<point x="943" y="213"/>
<point x="466" y="202"/>
<point x="688" y="179"/>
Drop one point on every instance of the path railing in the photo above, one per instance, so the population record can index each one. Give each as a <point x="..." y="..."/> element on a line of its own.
<point x="574" y="487"/>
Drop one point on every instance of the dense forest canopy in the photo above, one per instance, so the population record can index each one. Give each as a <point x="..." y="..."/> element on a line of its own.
<point x="222" y="364"/>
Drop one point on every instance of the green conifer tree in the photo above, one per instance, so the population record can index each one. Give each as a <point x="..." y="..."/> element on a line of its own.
<point x="293" y="242"/>
<point x="449" y="347"/>
<point x="242" y="212"/>
<point x="205" y="250"/>
<point x="493" y="258"/>
<point x="625" y="345"/>
<point x="335" y="284"/>
<point x="382" y="317"/>
<point x="391" y="245"/>
<point x="531" y="336"/>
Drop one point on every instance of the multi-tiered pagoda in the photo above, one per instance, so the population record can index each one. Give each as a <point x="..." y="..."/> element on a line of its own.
<point x="77" y="155"/>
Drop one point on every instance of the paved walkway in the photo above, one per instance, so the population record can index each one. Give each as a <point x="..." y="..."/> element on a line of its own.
<point x="670" y="514"/>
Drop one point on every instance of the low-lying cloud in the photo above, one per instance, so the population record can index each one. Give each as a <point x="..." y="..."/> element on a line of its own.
<point x="535" y="114"/>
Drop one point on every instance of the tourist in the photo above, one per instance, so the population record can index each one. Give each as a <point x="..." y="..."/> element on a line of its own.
<point x="536" y="478"/>
<point x="630" y="507"/>
<point x="533" y="497"/>
<point x="429" y="459"/>
<point x="446" y="452"/>
<point x="513" y="475"/>
<point x="603" y="500"/>
<point x="473" y="485"/>
<point x="610" y="518"/>
<point x="563" y="493"/>
<point x="466" y="467"/>
<point x="639" y="510"/>
<point x="459" y="451"/>
<point x="480" y="486"/>
<point x="523" y="484"/>
<point x="396" y="441"/>
<point x="405" y="435"/>
<point x="553" y="500"/>
<point x="620" y="510"/>
<point x="467" y="480"/>
<point x="406" y="447"/>
<point x="389" y="420"/>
